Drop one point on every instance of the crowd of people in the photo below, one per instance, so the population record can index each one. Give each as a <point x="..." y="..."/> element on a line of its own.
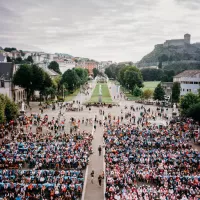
<point x="149" y="161"/>
<point x="43" y="158"/>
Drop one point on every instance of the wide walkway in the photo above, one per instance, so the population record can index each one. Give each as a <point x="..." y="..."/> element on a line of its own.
<point x="93" y="190"/>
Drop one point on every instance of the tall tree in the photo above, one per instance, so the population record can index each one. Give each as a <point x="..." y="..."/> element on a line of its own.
<point x="95" y="72"/>
<point x="8" y="109"/>
<point x="23" y="78"/>
<point x="159" y="93"/>
<point x="147" y="94"/>
<point x="31" y="78"/>
<point x="187" y="101"/>
<point x="132" y="77"/>
<point x="11" y="109"/>
<point x="54" y="66"/>
<point x="30" y="59"/>
<point x="137" y="91"/>
<point x="194" y="111"/>
<point x="176" y="92"/>
<point x="70" y="79"/>
<point x="152" y="74"/>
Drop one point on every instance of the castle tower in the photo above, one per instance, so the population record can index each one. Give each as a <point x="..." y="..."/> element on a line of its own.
<point x="187" y="38"/>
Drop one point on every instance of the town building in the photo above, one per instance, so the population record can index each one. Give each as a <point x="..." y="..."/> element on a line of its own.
<point x="189" y="81"/>
<point x="90" y="65"/>
<point x="3" y="58"/>
<point x="15" y="93"/>
<point x="65" y="64"/>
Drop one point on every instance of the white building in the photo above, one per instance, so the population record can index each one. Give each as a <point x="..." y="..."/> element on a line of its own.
<point x="3" y="58"/>
<point x="66" y="64"/>
<point x="189" y="81"/>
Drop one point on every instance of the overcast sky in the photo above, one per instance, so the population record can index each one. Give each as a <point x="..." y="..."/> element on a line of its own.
<point x="118" y="30"/>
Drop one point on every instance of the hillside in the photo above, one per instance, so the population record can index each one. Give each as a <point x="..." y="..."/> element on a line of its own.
<point x="188" y="52"/>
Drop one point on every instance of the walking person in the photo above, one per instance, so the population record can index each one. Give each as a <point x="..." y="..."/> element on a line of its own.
<point x="99" y="149"/>
<point x="92" y="176"/>
<point x="100" y="179"/>
<point x="95" y="126"/>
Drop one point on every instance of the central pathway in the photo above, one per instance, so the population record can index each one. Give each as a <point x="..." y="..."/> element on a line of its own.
<point x="93" y="190"/>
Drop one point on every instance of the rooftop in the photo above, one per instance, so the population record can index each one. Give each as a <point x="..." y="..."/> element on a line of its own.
<point x="187" y="73"/>
<point x="6" y="71"/>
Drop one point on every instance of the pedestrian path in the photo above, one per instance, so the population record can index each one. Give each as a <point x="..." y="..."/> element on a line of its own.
<point x="93" y="190"/>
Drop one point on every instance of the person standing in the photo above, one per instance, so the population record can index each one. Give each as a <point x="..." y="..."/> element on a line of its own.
<point x="99" y="179"/>
<point x="92" y="176"/>
<point x="99" y="149"/>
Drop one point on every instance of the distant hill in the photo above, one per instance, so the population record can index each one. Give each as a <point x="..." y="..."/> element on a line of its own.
<point x="171" y="54"/>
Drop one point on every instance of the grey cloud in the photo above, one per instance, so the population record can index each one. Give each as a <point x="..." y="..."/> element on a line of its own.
<point x="121" y="29"/>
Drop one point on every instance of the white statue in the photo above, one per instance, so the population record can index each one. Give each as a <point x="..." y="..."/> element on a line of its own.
<point x="100" y="91"/>
<point x="174" y="107"/>
<point x="23" y="106"/>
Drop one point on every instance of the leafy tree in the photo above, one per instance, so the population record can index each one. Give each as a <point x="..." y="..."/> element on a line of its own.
<point x="113" y="71"/>
<point x="11" y="109"/>
<point x="129" y="76"/>
<point x="22" y="53"/>
<point x="31" y="78"/>
<point x="132" y="77"/>
<point x="176" y="92"/>
<point x="194" y="111"/>
<point x="8" y="109"/>
<point x="46" y="83"/>
<point x="18" y="60"/>
<point x="147" y="94"/>
<point x="8" y="49"/>
<point x="83" y="74"/>
<point x="152" y="74"/>
<point x="54" y="66"/>
<point x="188" y="100"/>
<point x="23" y="78"/>
<point x="37" y="74"/>
<point x="2" y="108"/>
<point x="70" y="79"/>
<point x="168" y="75"/>
<point x="30" y="59"/>
<point x="95" y="72"/>
<point x="137" y="91"/>
<point x="159" y="93"/>
<point x="8" y="59"/>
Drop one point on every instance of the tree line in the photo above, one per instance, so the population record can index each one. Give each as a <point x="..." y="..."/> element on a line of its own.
<point x="33" y="78"/>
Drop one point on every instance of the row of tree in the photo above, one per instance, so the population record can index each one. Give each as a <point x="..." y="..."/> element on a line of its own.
<point x="8" y="109"/>
<point x="33" y="78"/>
<point x="74" y="78"/>
<point x="158" y="75"/>
<point x="113" y="72"/>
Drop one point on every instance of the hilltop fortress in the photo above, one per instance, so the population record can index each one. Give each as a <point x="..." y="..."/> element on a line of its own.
<point x="176" y="42"/>
<point x="180" y="51"/>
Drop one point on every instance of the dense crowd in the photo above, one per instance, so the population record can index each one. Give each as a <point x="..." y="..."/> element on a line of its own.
<point x="148" y="161"/>
<point x="41" y="159"/>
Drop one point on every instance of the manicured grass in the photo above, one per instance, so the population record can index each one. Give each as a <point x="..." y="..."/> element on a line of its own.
<point x="70" y="97"/>
<point x="150" y="85"/>
<point x="106" y="98"/>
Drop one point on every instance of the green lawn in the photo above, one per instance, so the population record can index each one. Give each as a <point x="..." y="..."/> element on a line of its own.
<point x="150" y="85"/>
<point x="106" y="98"/>
<point x="147" y="85"/>
<point x="70" y="97"/>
